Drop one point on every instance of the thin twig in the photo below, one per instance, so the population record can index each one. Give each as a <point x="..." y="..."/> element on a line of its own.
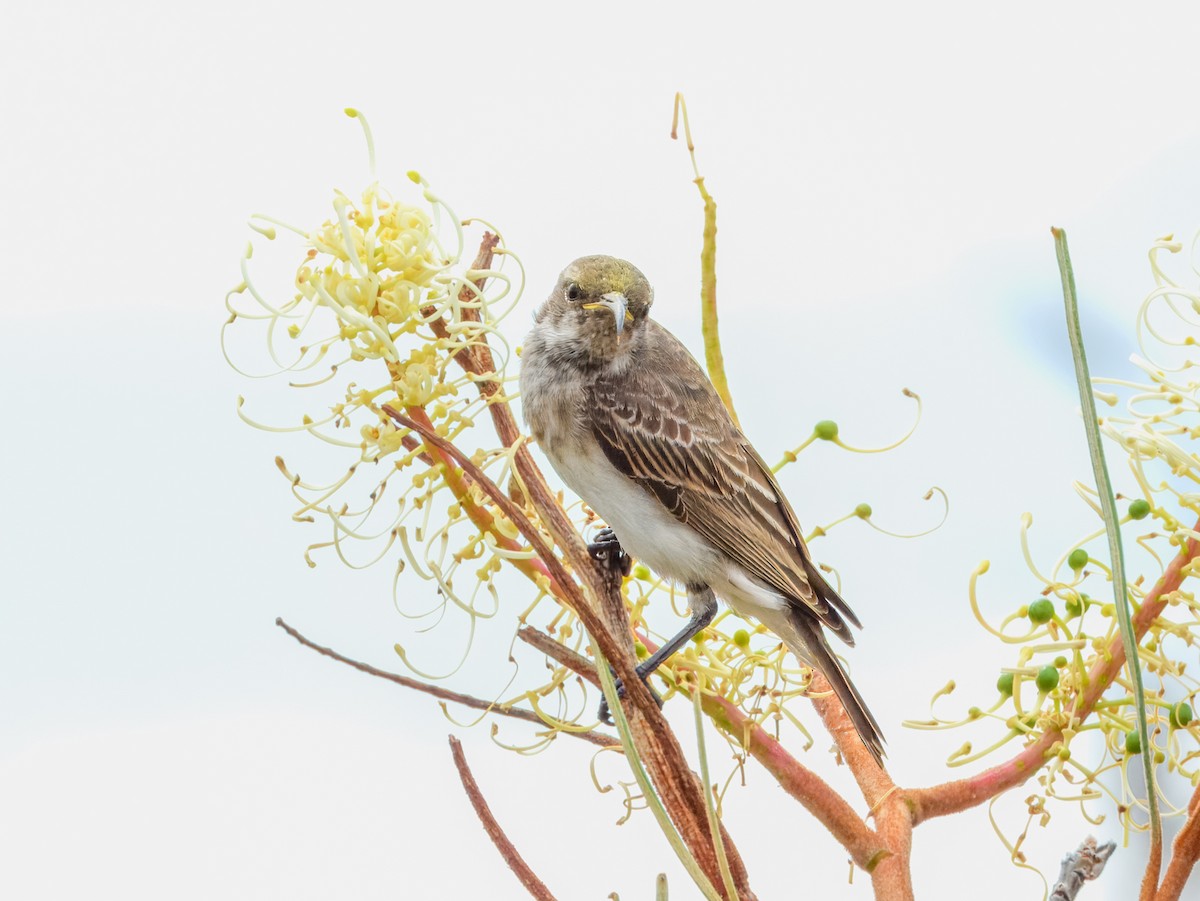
<point x="511" y="856"/>
<point x="1082" y="865"/>
<point x="572" y="660"/>
<point x="596" y="738"/>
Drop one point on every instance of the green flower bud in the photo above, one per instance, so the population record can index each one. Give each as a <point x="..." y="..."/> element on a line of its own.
<point x="741" y="638"/>
<point x="826" y="429"/>
<point x="1078" y="559"/>
<point x="1133" y="743"/>
<point x="1074" y="606"/>
<point x="640" y="650"/>
<point x="1041" y="611"/>
<point x="641" y="571"/>
<point x="1060" y="661"/>
<point x="863" y="511"/>
<point x="974" y="713"/>
<point x="1181" y="715"/>
<point x="1139" y="509"/>
<point x="1047" y="679"/>
<point x="1005" y="684"/>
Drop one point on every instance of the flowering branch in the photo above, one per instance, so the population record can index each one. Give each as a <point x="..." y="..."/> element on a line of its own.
<point x="379" y="283"/>
<point x="962" y="794"/>
<point x="813" y="793"/>
<point x="657" y="746"/>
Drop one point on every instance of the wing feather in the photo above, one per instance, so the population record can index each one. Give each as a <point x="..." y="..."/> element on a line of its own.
<point x="662" y="424"/>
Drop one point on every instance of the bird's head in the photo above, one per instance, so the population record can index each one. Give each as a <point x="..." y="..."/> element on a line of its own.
<point x="600" y="303"/>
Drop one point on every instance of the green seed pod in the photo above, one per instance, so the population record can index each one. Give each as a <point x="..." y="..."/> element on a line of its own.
<point x="826" y="430"/>
<point x="1074" y="606"/>
<point x="1159" y="756"/>
<point x="1078" y="559"/>
<point x="1005" y="684"/>
<point x="1041" y="611"/>
<point x="1060" y="661"/>
<point x="1133" y="743"/>
<point x="1047" y="678"/>
<point x="640" y="650"/>
<point x="741" y="638"/>
<point x="1139" y="509"/>
<point x="1181" y="715"/>
<point x="974" y="713"/>
<point x="641" y="572"/>
<point x="863" y="511"/>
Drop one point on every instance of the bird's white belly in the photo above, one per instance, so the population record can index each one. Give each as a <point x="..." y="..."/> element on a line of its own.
<point x="651" y="535"/>
<point x="646" y="530"/>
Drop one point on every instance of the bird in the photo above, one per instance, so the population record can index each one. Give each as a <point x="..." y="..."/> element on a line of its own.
<point x="633" y="425"/>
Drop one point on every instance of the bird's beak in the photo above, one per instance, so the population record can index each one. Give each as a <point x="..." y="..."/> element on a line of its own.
<point x="617" y="303"/>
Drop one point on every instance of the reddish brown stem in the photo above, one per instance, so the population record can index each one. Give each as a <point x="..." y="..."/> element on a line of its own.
<point x="511" y="856"/>
<point x="459" y="484"/>
<point x="1153" y="868"/>
<point x="891" y="867"/>
<point x="962" y="794"/>
<point x="1185" y="851"/>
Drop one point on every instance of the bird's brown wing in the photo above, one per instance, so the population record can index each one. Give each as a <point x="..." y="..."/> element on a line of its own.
<point x="662" y="424"/>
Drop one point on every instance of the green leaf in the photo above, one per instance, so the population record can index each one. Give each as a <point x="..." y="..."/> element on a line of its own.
<point x="1112" y="523"/>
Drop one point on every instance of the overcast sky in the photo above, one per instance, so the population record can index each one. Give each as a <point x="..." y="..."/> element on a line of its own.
<point x="886" y="178"/>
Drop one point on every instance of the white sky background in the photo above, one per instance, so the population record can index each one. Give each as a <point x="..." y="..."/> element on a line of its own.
<point x="886" y="179"/>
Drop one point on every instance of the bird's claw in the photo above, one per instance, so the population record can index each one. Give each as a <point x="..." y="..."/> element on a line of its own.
<point x="606" y="550"/>
<point x="605" y="714"/>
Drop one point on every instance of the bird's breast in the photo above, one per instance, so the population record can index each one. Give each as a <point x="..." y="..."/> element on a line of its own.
<point x="646" y="529"/>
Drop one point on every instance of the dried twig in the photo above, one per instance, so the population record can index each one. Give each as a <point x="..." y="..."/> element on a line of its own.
<point x="596" y="738"/>
<point x="511" y="856"/>
<point x="1082" y="865"/>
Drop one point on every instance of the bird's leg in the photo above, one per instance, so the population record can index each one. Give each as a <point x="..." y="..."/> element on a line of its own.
<point x="606" y="550"/>
<point x="703" y="604"/>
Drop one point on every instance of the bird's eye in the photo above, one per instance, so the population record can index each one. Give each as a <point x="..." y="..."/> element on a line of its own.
<point x="573" y="292"/>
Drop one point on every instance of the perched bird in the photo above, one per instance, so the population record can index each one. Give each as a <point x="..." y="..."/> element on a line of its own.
<point x="632" y="424"/>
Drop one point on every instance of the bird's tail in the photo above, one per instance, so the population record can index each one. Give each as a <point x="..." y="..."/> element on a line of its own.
<point x="814" y="650"/>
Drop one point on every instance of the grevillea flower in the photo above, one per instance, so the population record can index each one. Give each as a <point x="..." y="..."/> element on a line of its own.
<point x="1065" y="632"/>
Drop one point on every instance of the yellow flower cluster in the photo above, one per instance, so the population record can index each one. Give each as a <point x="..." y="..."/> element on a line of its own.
<point x="377" y="289"/>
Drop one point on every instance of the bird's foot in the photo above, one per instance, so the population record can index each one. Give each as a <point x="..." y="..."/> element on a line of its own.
<point x="606" y="715"/>
<point x="606" y="550"/>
